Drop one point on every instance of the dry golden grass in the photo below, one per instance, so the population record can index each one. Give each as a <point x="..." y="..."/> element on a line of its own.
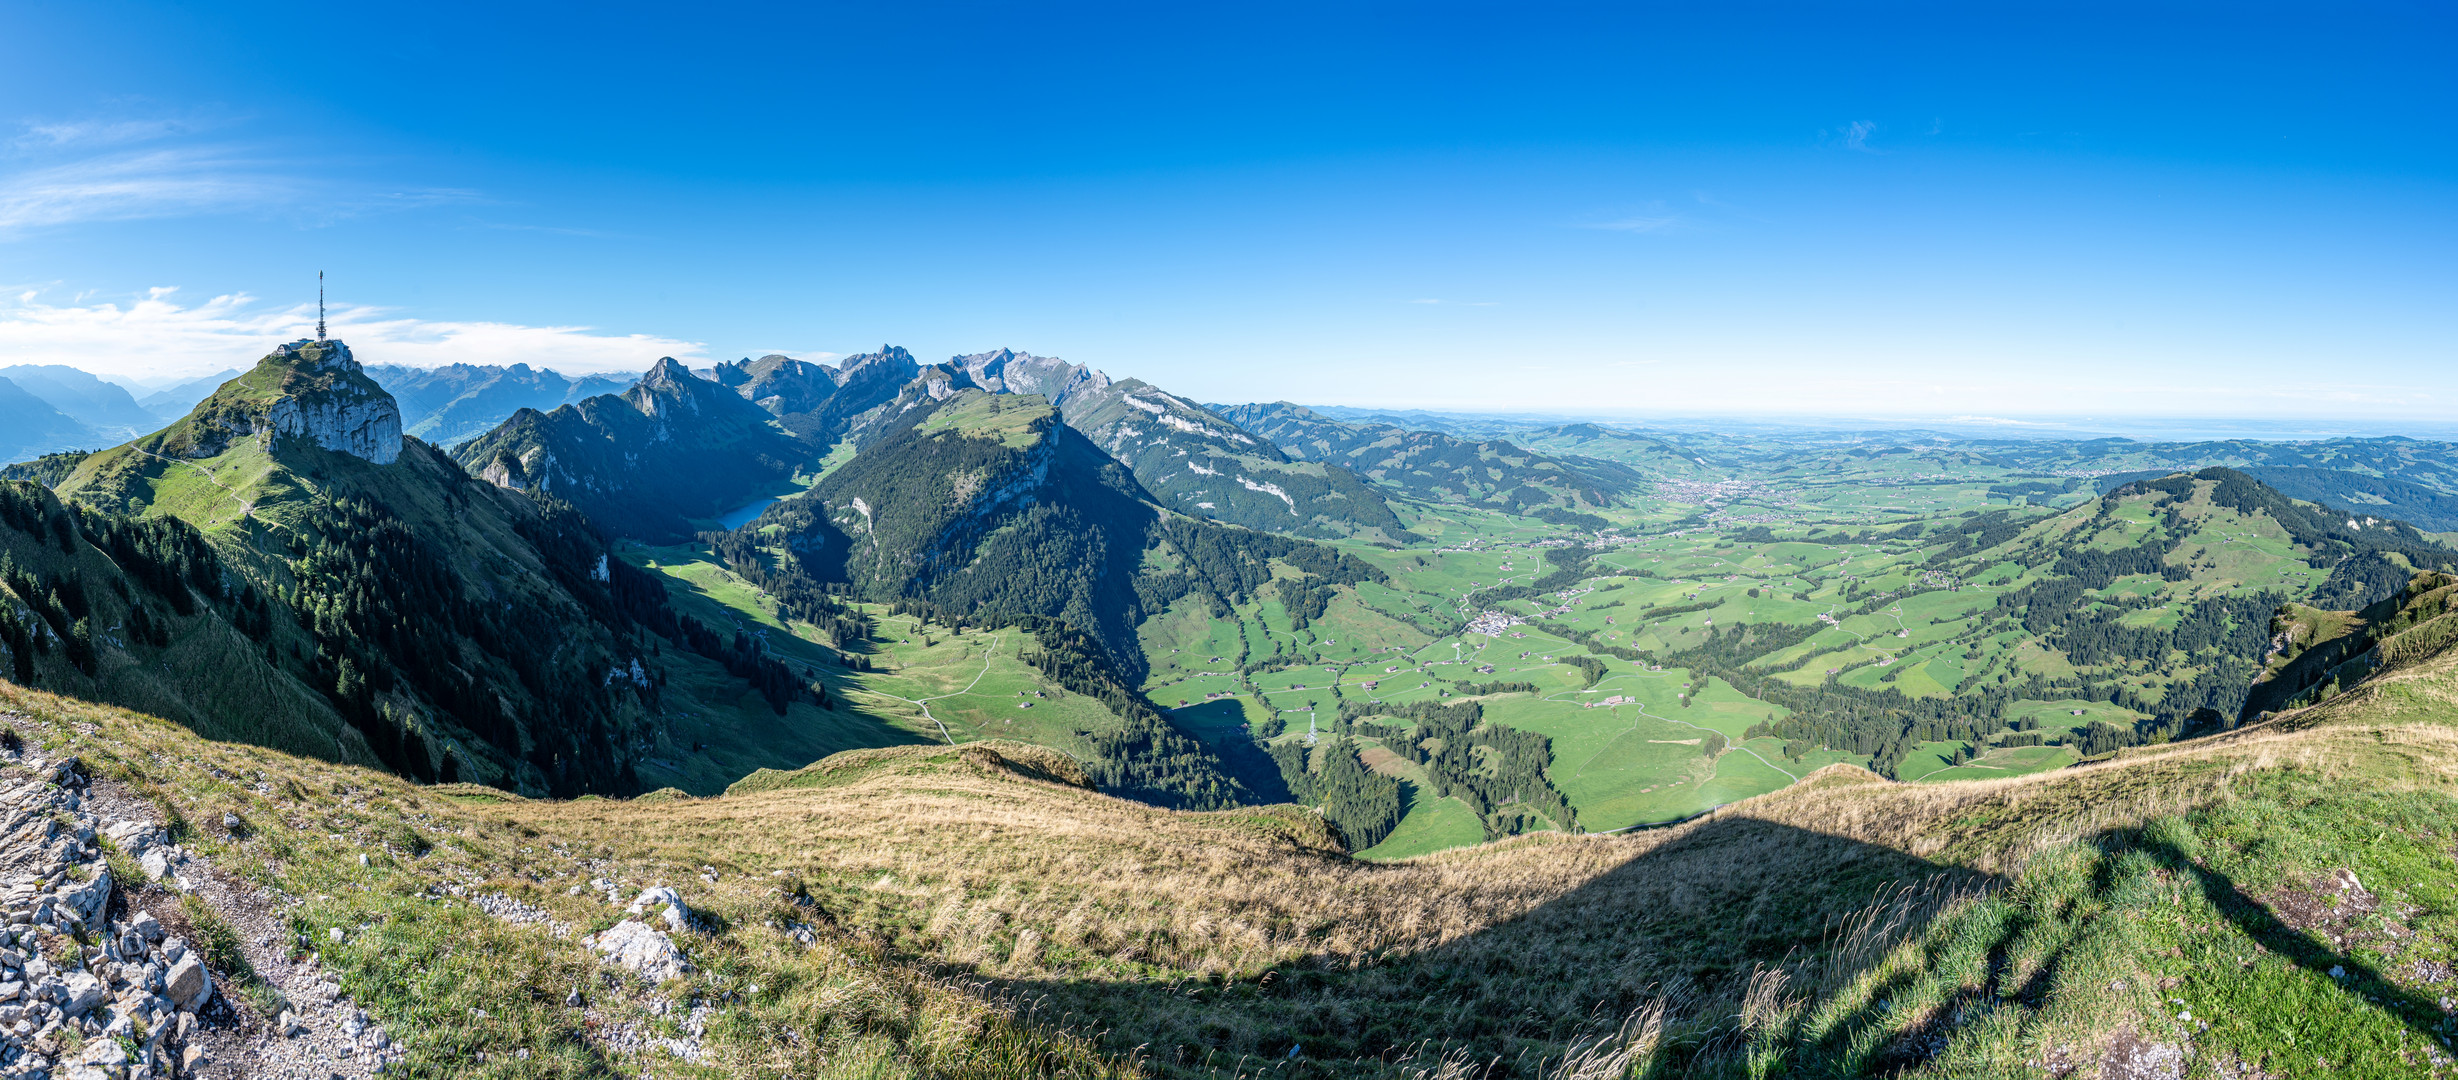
<point x="979" y="865"/>
<point x="964" y="909"/>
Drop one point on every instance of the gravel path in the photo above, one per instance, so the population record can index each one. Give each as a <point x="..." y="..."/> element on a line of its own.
<point x="213" y="1034"/>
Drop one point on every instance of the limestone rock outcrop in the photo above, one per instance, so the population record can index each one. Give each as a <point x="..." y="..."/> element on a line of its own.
<point x="346" y="417"/>
<point x="311" y="390"/>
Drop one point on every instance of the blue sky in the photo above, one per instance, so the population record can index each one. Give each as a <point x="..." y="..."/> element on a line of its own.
<point x="1876" y="210"/>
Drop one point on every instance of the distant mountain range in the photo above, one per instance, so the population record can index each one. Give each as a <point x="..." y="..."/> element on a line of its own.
<point x="450" y="404"/>
<point x="106" y="408"/>
<point x="817" y="402"/>
<point x="1437" y="467"/>
<point x="30" y="426"/>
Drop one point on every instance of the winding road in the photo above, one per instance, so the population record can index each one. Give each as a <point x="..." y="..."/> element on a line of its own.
<point x="924" y="703"/>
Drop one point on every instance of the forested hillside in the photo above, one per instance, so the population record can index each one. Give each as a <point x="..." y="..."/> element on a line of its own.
<point x="2117" y="588"/>
<point x="2431" y="463"/>
<point x="340" y="590"/>
<point x="986" y="510"/>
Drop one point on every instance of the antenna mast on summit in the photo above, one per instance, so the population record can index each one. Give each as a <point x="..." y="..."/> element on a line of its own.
<point x="319" y="305"/>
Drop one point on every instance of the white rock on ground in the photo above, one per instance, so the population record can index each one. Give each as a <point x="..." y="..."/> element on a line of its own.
<point x="677" y="914"/>
<point x="637" y="946"/>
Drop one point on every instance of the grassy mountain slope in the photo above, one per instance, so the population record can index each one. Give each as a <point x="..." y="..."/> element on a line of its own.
<point x="2156" y="598"/>
<point x="2277" y="898"/>
<point x="673" y="448"/>
<point x="982" y="510"/>
<point x="138" y="613"/>
<point x="2315" y="652"/>
<point x="462" y="630"/>
<point x="1437" y="467"/>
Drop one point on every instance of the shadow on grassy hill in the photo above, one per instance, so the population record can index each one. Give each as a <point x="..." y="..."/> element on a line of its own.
<point x="1690" y="922"/>
<point x="2315" y="928"/>
<point x="2241" y="934"/>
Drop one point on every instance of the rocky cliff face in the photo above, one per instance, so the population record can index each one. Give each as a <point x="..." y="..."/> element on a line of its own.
<point x="814" y="401"/>
<point x="349" y="415"/>
<point x="1006" y="371"/>
<point x="313" y="390"/>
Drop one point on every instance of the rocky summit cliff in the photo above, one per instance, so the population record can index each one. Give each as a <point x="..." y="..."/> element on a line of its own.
<point x="313" y="390"/>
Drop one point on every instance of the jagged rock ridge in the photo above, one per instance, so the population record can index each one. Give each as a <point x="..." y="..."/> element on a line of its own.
<point x="815" y="401"/>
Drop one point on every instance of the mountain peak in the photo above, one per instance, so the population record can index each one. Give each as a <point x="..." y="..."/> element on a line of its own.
<point x="666" y="373"/>
<point x="309" y="389"/>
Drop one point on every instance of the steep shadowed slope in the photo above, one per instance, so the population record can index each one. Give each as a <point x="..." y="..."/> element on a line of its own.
<point x="987" y="510"/>
<point x="673" y="448"/>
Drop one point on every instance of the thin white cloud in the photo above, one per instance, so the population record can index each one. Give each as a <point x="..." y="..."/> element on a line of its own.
<point x="139" y="184"/>
<point x="1856" y="136"/>
<point x="156" y="336"/>
<point x="557" y="230"/>
<point x="65" y="133"/>
<point x="55" y="173"/>
<point x="1641" y="224"/>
